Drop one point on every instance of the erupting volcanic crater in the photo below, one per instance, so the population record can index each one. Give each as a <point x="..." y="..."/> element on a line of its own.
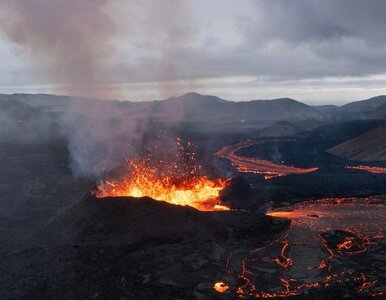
<point x="176" y="181"/>
<point x="323" y="248"/>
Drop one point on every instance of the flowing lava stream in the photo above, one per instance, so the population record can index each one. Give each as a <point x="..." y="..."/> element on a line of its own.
<point x="176" y="181"/>
<point x="258" y="166"/>
<point x="269" y="169"/>
<point x="375" y="170"/>
<point x="336" y="246"/>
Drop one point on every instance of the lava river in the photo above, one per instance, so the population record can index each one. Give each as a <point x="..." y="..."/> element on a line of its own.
<point x="371" y="169"/>
<point x="333" y="246"/>
<point x="255" y="165"/>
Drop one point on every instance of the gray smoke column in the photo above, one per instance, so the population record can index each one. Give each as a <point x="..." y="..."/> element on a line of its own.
<point x="70" y="44"/>
<point x="65" y="41"/>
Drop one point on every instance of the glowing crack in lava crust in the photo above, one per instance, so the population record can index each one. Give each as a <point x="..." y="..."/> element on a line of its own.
<point x="335" y="244"/>
<point x="175" y="181"/>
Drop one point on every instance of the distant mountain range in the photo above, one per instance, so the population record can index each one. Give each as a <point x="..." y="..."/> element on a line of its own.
<point x="27" y="117"/>
<point x="365" y="105"/>
<point x="193" y="107"/>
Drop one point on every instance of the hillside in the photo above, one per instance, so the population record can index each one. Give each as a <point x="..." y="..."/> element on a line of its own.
<point x="196" y="108"/>
<point x="191" y="107"/>
<point x="370" y="146"/>
<point x="24" y="123"/>
<point x="286" y="128"/>
<point x="364" y="105"/>
<point x="378" y="113"/>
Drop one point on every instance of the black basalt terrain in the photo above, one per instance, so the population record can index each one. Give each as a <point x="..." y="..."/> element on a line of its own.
<point x="133" y="248"/>
<point x="58" y="241"/>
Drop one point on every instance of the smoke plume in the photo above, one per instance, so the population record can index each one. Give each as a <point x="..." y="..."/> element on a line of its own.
<point x="70" y="44"/>
<point x="66" y="41"/>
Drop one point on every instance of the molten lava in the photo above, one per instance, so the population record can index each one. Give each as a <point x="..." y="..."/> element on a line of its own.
<point x="255" y="165"/>
<point x="220" y="287"/>
<point x="269" y="169"/>
<point x="375" y="170"/>
<point x="334" y="244"/>
<point x="176" y="182"/>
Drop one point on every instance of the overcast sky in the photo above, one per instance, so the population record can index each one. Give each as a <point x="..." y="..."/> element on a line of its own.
<point x="324" y="51"/>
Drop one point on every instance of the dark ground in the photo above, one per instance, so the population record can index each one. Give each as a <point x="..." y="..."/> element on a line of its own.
<point x="59" y="243"/>
<point x="308" y="150"/>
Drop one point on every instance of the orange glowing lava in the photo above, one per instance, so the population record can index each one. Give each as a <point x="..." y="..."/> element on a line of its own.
<point x="256" y="165"/>
<point x="332" y="244"/>
<point x="220" y="287"/>
<point x="176" y="182"/>
<point x="347" y="244"/>
<point x="375" y="170"/>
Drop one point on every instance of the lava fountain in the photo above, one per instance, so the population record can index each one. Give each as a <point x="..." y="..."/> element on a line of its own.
<point x="176" y="181"/>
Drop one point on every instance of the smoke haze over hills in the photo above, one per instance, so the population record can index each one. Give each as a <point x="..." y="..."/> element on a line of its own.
<point x="101" y="134"/>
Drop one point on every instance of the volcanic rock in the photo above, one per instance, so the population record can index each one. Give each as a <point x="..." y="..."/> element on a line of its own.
<point x="313" y="216"/>
<point x="239" y="195"/>
<point x="137" y="248"/>
<point x="138" y="221"/>
<point x="343" y="241"/>
<point x="366" y="147"/>
<point x="287" y="128"/>
<point x="23" y="123"/>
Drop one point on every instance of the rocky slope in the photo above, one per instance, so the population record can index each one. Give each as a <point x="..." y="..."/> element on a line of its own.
<point x="378" y="113"/>
<point x="370" y="146"/>
<point x="127" y="248"/>
<point x="365" y="105"/>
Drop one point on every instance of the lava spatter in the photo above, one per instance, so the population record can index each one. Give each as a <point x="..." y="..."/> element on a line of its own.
<point x="176" y="180"/>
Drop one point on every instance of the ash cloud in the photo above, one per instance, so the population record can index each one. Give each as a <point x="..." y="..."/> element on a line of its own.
<point x="98" y="144"/>
<point x="70" y="43"/>
<point x="66" y="41"/>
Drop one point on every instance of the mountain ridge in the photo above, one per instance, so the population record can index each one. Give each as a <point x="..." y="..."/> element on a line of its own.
<point x="194" y="107"/>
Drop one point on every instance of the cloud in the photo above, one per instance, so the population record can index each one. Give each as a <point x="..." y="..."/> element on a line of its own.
<point x="126" y="42"/>
<point x="287" y="39"/>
